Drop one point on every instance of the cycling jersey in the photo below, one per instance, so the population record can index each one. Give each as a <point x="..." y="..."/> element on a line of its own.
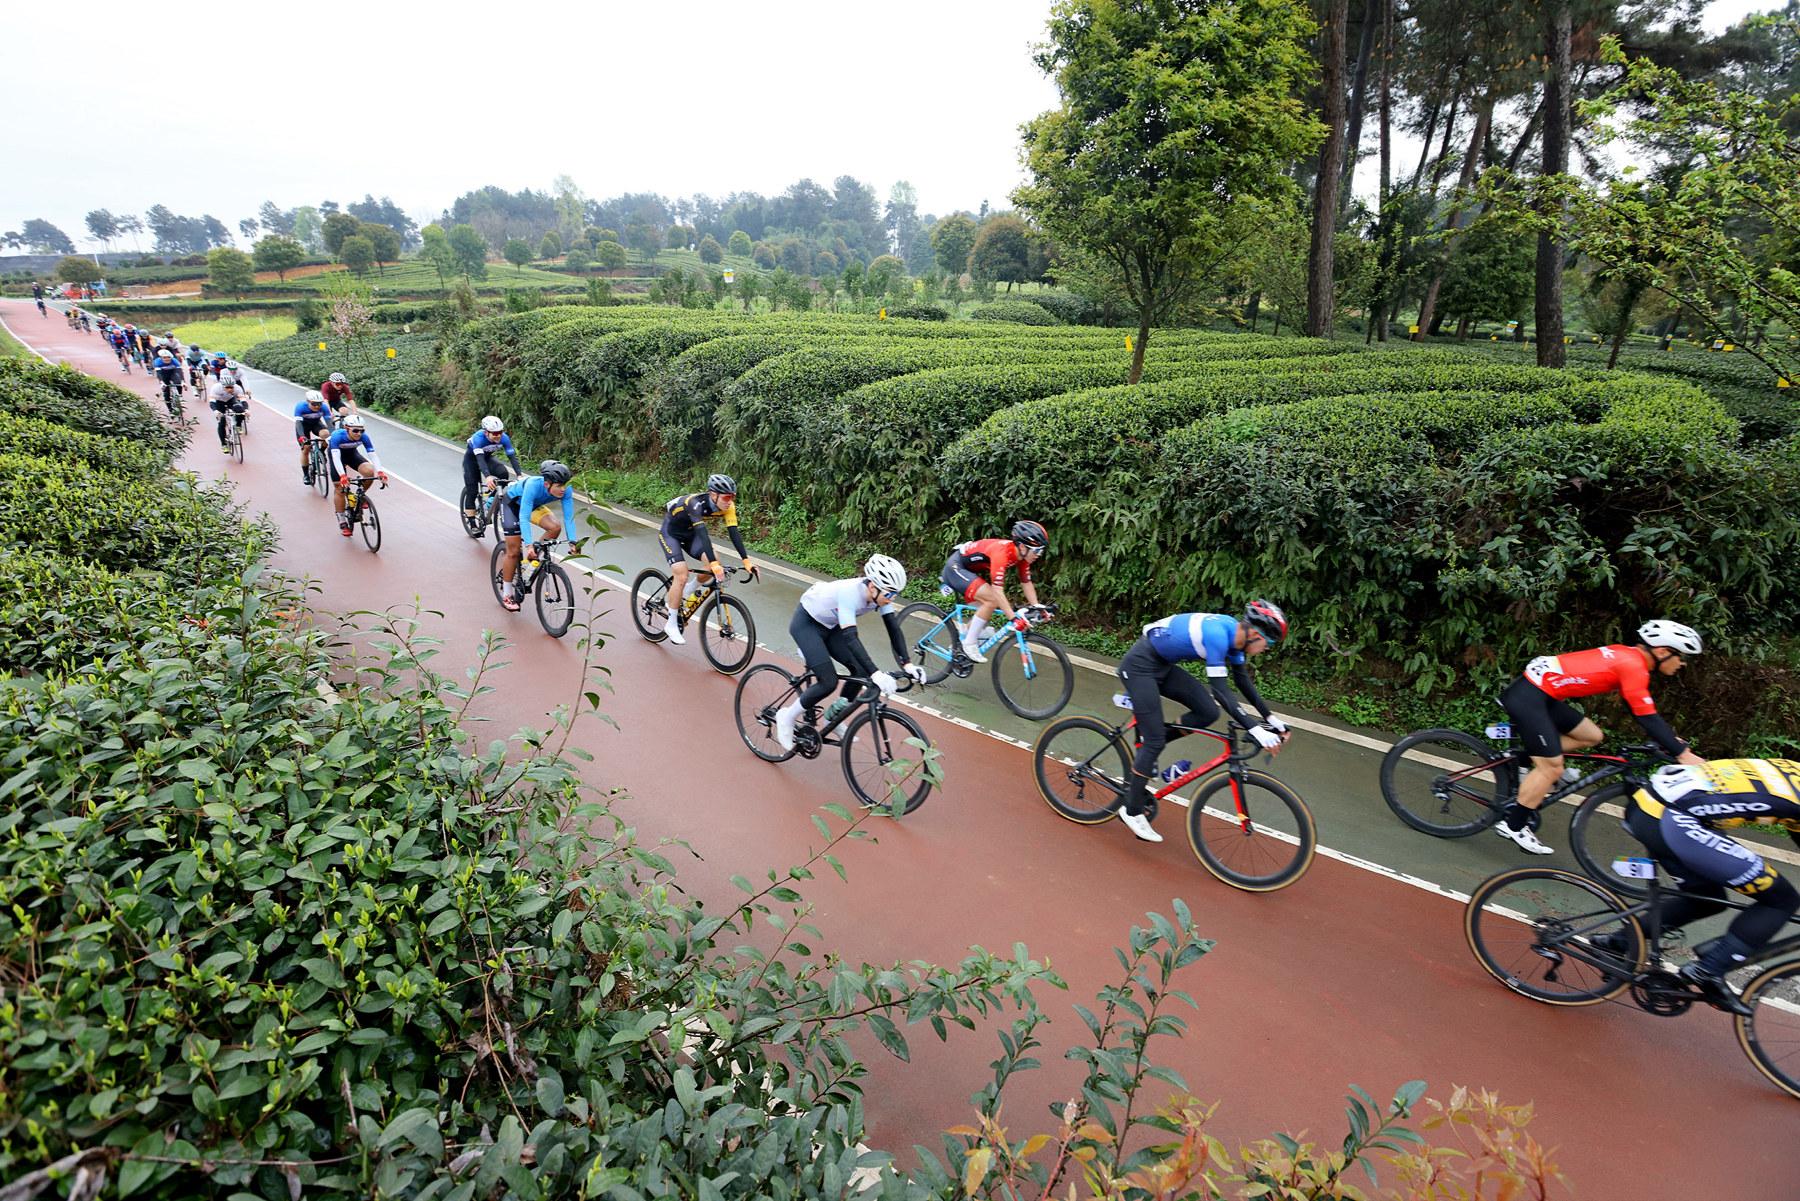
<point x="838" y="603"/>
<point x="195" y="356"/>
<point x="1208" y="637"/>
<point x="1615" y="668"/>
<point x="1722" y="793"/>
<point x="530" y="494"/>
<point x="341" y="445"/>
<point x="336" y="395"/>
<point x="483" y="443"/>
<point x="168" y="368"/>
<point x="683" y="528"/>
<point x="991" y="557"/>
<point x="308" y="420"/>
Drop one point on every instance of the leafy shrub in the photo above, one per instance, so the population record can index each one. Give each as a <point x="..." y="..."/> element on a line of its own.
<point x="411" y="377"/>
<point x="51" y="440"/>
<point x="918" y="312"/>
<point x="1064" y="306"/>
<point x="1019" y="312"/>
<point x="34" y="389"/>
<point x="309" y="315"/>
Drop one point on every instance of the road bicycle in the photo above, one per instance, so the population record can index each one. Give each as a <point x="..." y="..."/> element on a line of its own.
<point x="543" y="579"/>
<point x="318" y="465"/>
<point x="172" y="391"/>
<point x="487" y="511"/>
<point x="1259" y="837"/>
<point x="1564" y="939"/>
<point x="1032" y="677"/>
<point x="727" y="630"/>
<point x="879" y="758"/>
<point x="234" y="435"/>
<point x="361" y="511"/>
<point x="1451" y="784"/>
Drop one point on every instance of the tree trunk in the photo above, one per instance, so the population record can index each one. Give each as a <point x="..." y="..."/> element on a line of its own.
<point x="1359" y="98"/>
<point x="1253" y="310"/>
<point x="1143" y="341"/>
<point x="1462" y="330"/>
<point x="1386" y="104"/>
<point x="1525" y="139"/>
<point x="1484" y="116"/>
<point x="1550" y="351"/>
<point x="1443" y="154"/>
<point x="1321" y="295"/>
<point x="1430" y="127"/>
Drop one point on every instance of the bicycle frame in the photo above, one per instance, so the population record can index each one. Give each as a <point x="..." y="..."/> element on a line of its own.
<point x="1616" y="765"/>
<point x="1648" y="912"/>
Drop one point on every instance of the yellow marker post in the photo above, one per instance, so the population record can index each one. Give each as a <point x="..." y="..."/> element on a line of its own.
<point x="321" y="346"/>
<point x="882" y="315"/>
<point x="730" y="275"/>
<point x="1412" y="329"/>
<point x="1783" y="383"/>
<point x="390" y="352"/>
<point x="1729" y="347"/>
<point x="1493" y="337"/>
<point x="1130" y="344"/>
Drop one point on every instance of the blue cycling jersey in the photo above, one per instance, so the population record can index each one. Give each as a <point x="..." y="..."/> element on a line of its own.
<point x="341" y="438"/>
<point x="1209" y="637"/>
<point x="482" y="442"/>
<point x="532" y="494"/>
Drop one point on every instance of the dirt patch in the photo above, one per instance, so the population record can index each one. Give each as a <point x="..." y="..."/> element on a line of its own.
<point x="191" y="287"/>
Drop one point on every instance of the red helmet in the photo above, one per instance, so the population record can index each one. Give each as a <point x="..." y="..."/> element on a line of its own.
<point x="1267" y="619"/>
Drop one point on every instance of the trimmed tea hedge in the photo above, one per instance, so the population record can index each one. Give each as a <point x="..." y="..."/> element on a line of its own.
<point x="34" y="389"/>
<point x="1018" y="312"/>
<point x="411" y="377"/>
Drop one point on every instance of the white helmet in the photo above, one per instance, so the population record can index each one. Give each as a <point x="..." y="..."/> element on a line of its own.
<point x="493" y="425"/>
<point x="885" y="573"/>
<point x="1672" y="634"/>
<point x="312" y="397"/>
<point x="337" y="377"/>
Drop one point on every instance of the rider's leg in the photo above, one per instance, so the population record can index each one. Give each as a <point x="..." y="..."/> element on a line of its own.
<point x="1143" y="673"/>
<point x="471" y="481"/>
<point x="1202" y="708"/>
<point x="810" y="640"/>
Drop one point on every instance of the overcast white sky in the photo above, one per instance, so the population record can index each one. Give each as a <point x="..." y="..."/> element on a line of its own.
<point x="214" y="107"/>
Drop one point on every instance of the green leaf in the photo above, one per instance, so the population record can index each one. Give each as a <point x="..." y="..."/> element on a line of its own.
<point x="550" y="1094"/>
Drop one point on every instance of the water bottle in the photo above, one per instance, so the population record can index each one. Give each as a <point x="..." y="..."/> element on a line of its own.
<point x="836" y="709"/>
<point x="1176" y="770"/>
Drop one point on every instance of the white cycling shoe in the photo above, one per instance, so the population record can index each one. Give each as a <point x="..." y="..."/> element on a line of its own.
<point x="1139" y="824"/>
<point x="785" y="718"/>
<point x="972" y="648"/>
<point x="1526" y="839"/>
<point x="672" y="628"/>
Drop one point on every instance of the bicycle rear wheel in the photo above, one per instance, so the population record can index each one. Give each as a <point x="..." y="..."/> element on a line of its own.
<point x="1770" y="1036"/>
<point x="1266" y="847"/>
<point x="1530" y="928"/>
<point x="650" y="604"/>
<point x="1597" y="836"/>
<point x="761" y="691"/>
<point x="931" y="638"/>
<point x="1035" y="680"/>
<point x="370" y="521"/>
<point x="555" y="593"/>
<point x="1082" y="766"/>
<point x="474" y="526"/>
<point x="1447" y="783"/>
<point x="879" y="763"/>
<point x="729" y="647"/>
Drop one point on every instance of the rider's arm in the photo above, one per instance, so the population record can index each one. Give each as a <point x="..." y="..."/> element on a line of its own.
<point x="737" y="538"/>
<point x="336" y="449"/>
<point x="1240" y="675"/>
<point x="568" y="504"/>
<point x="512" y="456"/>
<point x="368" y="449"/>
<point x="1661" y="734"/>
<point x="1635" y="689"/>
<point x="531" y="496"/>
<point x="891" y="619"/>
<point x="1216" y="648"/>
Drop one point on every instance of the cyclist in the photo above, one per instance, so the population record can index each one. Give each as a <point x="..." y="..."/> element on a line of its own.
<point x="146" y="344"/>
<point x="337" y="394"/>
<point x="168" y="371"/>
<point x="526" y="504"/>
<point x="1677" y="818"/>
<point x="196" y="364"/>
<point x="1548" y="726"/>
<point x="684" y="533"/>
<point x="236" y="370"/>
<point x="227" y="397"/>
<point x="310" y="421"/>
<point x="480" y="459"/>
<point x="1151" y="670"/>
<point x="121" y="345"/>
<point x="824" y="629"/>
<point x="349" y="449"/>
<point x="976" y="573"/>
<point x="217" y="365"/>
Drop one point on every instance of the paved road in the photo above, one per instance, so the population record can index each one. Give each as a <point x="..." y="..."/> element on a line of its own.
<point x="1351" y="975"/>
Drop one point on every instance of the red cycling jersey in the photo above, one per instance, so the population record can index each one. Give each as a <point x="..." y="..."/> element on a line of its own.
<point x="992" y="556"/>
<point x="1614" y="668"/>
<point x="335" y="394"/>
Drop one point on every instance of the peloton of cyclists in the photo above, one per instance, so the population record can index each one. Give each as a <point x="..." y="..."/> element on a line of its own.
<point x="976" y="573"/>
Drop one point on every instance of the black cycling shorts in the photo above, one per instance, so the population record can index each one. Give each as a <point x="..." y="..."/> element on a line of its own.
<point x="353" y="460"/>
<point x="1539" y="720"/>
<point x="694" y="541"/>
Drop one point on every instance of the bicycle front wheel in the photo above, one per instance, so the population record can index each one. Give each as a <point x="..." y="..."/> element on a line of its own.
<point x="1770" y="1036"/>
<point x="932" y="639"/>
<point x="370" y="521"/>
<point x="650" y="604"/>
<point x="1258" y="836"/>
<point x="1082" y="766"/>
<point x="1597" y="836"/>
<point x="761" y="692"/>
<point x="494" y="575"/>
<point x="555" y="593"/>
<point x="1033" y="677"/>
<point x="237" y="443"/>
<point x="881" y="765"/>
<point x="1533" y="929"/>
<point x="1446" y="783"/>
<point x="730" y="646"/>
<point x="321" y="475"/>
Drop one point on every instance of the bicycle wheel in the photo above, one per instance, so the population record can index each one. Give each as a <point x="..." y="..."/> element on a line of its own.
<point x="1528" y="928"/>
<point x="878" y="761"/>
<point x="1770" y="1036"/>
<point x="1597" y="836"/>
<point x="760" y="692"/>
<point x="370" y="521"/>
<point x="474" y="526"/>
<point x="730" y="646"/>
<point x="1082" y="765"/>
<point x="650" y="604"/>
<point x="1035" y="680"/>
<point x="494" y="575"/>
<point x="321" y="474"/>
<point x="1268" y="846"/>
<point x="555" y="593"/>
<point x="1447" y="783"/>
<point x="931" y="637"/>
<point x="237" y="441"/>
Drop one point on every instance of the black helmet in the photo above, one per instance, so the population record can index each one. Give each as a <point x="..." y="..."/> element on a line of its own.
<point x="554" y="472"/>
<point x="721" y="483"/>
<point x="1030" y="534"/>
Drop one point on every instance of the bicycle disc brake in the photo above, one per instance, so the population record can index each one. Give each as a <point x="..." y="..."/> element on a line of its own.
<point x="807" y="742"/>
<point x="1663" y="993"/>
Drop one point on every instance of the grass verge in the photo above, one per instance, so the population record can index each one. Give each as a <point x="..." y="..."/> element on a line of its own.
<point x="235" y="335"/>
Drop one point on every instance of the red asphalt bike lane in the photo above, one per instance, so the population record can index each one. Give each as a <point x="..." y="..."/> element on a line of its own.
<point x="1345" y="977"/>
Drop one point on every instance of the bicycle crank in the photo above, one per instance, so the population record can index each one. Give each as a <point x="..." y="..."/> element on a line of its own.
<point x="1663" y="993"/>
<point x="807" y="742"/>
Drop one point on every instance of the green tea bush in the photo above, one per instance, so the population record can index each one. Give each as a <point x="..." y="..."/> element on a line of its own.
<point x="1018" y="312"/>
<point x="1066" y="307"/>
<point x="918" y="312"/>
<point x="411" y="377"/>
<point x="38" y="391"/>
<point x="50" y="440"/>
